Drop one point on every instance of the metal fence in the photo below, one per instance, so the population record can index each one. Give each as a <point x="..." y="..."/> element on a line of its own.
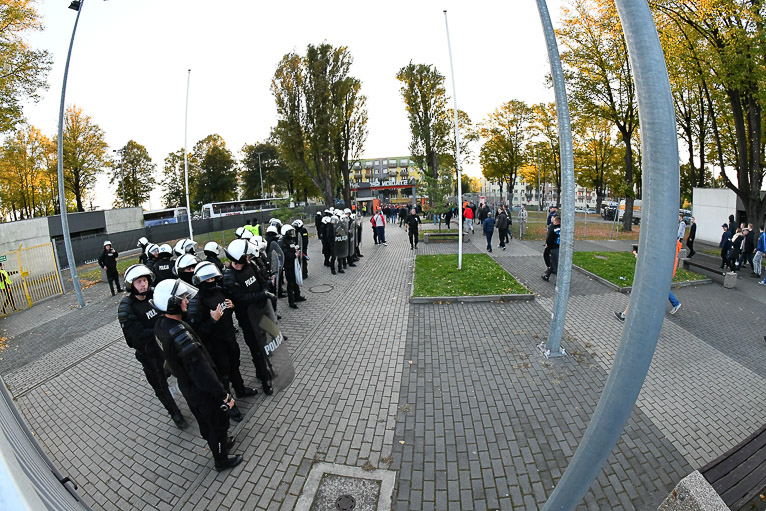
<point x="34" y="277"/>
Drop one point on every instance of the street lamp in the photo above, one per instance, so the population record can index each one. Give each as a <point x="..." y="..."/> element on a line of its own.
<point x="122" y="172"/>
<point x="260" y="173"/>
<point x="77" y="6"/>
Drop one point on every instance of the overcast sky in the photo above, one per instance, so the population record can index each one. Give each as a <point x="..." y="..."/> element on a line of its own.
<point x="130" y="61"/>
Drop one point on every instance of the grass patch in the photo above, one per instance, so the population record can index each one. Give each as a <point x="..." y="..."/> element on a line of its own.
<point x="619" y="267"/>
<point x="437" y="275"/>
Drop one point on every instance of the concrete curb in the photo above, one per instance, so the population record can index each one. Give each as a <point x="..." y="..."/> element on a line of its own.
<point x="630" y="288"/>
<point x="472" y="299"/>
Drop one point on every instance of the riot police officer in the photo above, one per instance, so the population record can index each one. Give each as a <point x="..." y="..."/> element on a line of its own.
<point x="210" y="315"/>
<point x="108" y="261"/>
<point x="152" y="253"/>
<point x="185" y="246"/>
<point x="163" y="267"/>
<point x="192" y="366"/>
<point x="212" y="251"/>
<point x="183" y="268"/>
<point x="303" y="234"/>
<point x="245" y="285"/>
<point x="326" y="236"/>
<point x="137" y="318"/>
<point x="142" y="244"/>
<point x="272" y="234"/>
<point x="288" y="247"/>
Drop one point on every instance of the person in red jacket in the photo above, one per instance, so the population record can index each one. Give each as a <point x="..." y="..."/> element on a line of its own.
<point x="468" y="215"/>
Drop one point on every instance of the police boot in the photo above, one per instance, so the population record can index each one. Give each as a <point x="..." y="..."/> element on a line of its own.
<point x="246" y="392"/>
<point x="235" y="414"/>
<point x="229" y="462"/>
<point x="178" y="419"/>
<point x="268" y="389"/>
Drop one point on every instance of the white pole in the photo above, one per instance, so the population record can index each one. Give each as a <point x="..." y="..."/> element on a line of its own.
<point x="186" y="159"/>
<point x="457" y="154"/>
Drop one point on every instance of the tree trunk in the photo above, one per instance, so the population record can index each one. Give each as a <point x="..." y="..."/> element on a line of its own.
<point x="627" y="219"/>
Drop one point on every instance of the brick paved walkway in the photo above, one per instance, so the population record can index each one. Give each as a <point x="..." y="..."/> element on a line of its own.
<point x="453" y="397"/>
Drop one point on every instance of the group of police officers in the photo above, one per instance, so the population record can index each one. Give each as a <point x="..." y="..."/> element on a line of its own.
<point x="340" y="231"/>
<point x="178" y="317"/>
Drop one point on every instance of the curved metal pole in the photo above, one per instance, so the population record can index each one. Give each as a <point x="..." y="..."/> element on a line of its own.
<point x="566" y="155"/>
<point x="186" y="159"/>
<point x="654" y="268"/>
<point x="457" y="154"/>
<point x="62" y="193"/>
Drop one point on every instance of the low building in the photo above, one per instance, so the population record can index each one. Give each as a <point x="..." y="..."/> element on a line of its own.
<point x="527" y="194"/>
<point x="389" y="180"/>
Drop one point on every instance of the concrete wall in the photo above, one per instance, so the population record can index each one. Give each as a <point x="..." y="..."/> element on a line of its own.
<point x="123" y="219"/>
<point x="712" y="207"/>
<point x="24" y="232"/>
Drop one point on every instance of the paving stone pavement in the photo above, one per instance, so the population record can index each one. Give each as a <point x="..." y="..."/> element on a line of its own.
<point x="453" y="397"/>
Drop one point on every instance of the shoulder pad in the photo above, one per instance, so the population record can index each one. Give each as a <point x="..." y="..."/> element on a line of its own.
<point x="183" y="340"/>
<point x="125" y="311"/>
<point x="196" y="309"/>
<point x="229" y="280"/>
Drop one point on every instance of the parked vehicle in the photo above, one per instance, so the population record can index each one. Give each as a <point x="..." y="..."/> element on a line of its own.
<point x="636" y="211"/>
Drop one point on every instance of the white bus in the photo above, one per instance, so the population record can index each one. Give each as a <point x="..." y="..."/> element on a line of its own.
<point x="241" y="207"/>
<point x="165" y="216"/>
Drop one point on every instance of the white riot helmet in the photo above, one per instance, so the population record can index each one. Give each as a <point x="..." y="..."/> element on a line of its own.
<point x="237" y="251"/>
<point x="259" y="242"/>
<point x="212" y="248"/>
<point x="347" y="211"/>
<point x="205" y="270"/>
<point x="184" y="262"/>
<point x="288" y="231"/>
<point x="152" y="249"/>
<point x="298" y="224"/>
<point x="276" y="222"/>
<point x="185" y="246"/>
<point x="107" y="242"/>
<point x="166" y="249"/>
<point x="272" y="228"/>
<point x="326" y="220"/>
<point x="333" y="219"/>
<point x="136" y="271"/>
<point x="169" y="295"/>
<point x="332" y="209"/>
<point x="241" y="232"/>
<point x="142" y="242"/>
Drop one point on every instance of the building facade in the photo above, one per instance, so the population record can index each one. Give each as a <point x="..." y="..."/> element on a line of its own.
<point x="390" y="180"/>
<point x="529" y="194"/>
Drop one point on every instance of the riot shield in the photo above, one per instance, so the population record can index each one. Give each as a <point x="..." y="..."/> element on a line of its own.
<point x="341" y="239"/>
<point x="278" y="359"/>
<point x="299" y="250"/>
<point x="277" y="261"/>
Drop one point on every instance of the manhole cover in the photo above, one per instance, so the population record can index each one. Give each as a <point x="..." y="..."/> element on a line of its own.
<point x="322" y="288"/>
<point x="345" y="503"/>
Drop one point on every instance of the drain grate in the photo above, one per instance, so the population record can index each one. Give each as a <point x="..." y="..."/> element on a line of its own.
<point x="345" y="503"/>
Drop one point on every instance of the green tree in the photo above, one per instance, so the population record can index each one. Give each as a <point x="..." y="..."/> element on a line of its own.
<point x="217" y="177"/>
<point x="84" y="153"/>
<point x="426" y="102"/>
<point x="506" y="132"/>
<point x="726" y="40"/>
<point x="22" y="70"/>
<point x="321" y="117"/>
<point x="135" y="171"/>
<point x="599" y="76"/>
<point x="597" y="155"/>
<point x="173" y="179"/>
<point x="545" y="125"/>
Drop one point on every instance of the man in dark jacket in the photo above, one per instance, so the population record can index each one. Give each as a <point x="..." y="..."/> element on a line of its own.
<point x="137" y="318"/>
<point x="488" y="227"/>
<point x="725" y="245"/>
<point x="108" y="261"/>
<point x="412" y="224"/>
<point x="690" y="239"/>
<point x="194" y="370"/>
<point x="552" y="240"/>
<point x="501" y="222"/>
<point x="748" y="247"/>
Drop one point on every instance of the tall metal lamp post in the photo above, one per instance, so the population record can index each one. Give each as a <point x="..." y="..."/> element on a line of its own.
<point x="77" y="6"/>
<point x="122" y="172"/>
<point x="260" y="172"/>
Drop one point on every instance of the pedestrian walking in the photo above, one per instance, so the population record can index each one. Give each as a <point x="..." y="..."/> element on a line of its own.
<point x="379" y="223"/>
<point x="748" y="247"/>
<point x="468" y="215"/>
<point x="108" y="261"/>
<point x="552" y="242"/>
<point x="735" y="250"/>
<point x="725" y="244"/>
<point x="760" y="248"/>
<point x="691" y="238"/>
<point x="412" y="224"/>
<point x="523" y="215"/>
<point x="488" y="227"/>
<point x="501" y="221"/>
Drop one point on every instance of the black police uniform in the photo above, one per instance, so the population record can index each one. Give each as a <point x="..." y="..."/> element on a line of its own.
<point x="219" y="337"/>
<point x="293" y="290"/>
<point x="244" y="287"/>
<point x="137" y="319"/>
<point x="163" y="269"/>
<point x="108" y="261"/>
<point x="304" y="237"/>
<point x="193" y="367"/>
<point x="142" y="257"/>
<point x="214" y="259"/>
<point x="268" y="238"/>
